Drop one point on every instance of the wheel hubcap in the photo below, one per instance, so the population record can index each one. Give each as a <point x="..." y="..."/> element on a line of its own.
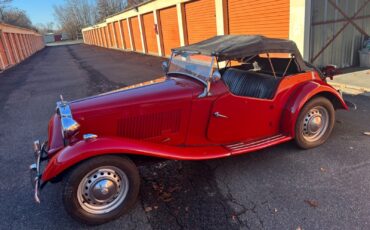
<point x="102" y="190"/>
<point x="315" y="123"/>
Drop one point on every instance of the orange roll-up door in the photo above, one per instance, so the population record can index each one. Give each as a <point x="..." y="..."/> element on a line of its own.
<point x="126" y="35"/>
<point x="105" y="42"/>
<point x="97" y="37"/>
<point x="9" y="47"/>
<point x="100" y="37"/>
<point x="200" y="18"/>
<point x="118" y="35"/>
<point x="111" y="35"/>
<point x="150" y="33"/>
<point x="4" y="57"/>
<point x="19" y="47"/>
<point x="261" y="17"/>
<point x="107" y="37"/>
<point x="169" y="29"/>
<point x="136" y="34"/>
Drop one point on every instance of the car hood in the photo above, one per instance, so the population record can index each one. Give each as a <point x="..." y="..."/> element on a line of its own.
<point x="152" y="111"/>
<point x="155" y="91"/>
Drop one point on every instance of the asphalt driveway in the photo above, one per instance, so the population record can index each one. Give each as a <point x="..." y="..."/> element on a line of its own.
<point x="278" y="188"/>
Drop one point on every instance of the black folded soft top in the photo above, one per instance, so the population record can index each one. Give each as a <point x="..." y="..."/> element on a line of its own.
<point x="233" y="47"/>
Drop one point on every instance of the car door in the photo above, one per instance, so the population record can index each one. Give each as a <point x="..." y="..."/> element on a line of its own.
<point x="236" y="118"/>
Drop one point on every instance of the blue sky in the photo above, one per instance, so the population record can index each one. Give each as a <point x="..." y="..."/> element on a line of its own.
<point x="39" y="11"/>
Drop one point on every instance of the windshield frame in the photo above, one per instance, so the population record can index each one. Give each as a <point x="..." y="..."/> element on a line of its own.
<point x="204" y="80"/>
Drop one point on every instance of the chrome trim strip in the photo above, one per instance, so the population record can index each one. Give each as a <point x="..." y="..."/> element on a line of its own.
<point x="89" y="136"/>
<point x="242" y="145"/>
<point x="189" y="75"/>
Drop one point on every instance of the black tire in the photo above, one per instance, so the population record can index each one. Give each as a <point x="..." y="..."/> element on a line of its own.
<point x="77" y="174"/>
<point x="301" y="123"/>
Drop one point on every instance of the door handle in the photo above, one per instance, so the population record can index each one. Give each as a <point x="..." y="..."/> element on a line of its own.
<point x="219" y="115"/>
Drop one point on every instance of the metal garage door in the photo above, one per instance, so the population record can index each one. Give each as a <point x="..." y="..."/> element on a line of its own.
<point x="111" y="35"/>
<point x="118" y="35"/>
<point x="338" y="30"/>
<point x="107" y="37"/>
<point x="136" y="35"/>
<point x="97" y="37"/>
<point x="200" y="17"/>
<point x="169" y="29"/>
<point x="126" y="35"/>
<point x="8" y="45"/>
<point x="150" y="33"/>
<point x="269" y="18"/>
<point x="104" y="42"/>
<point x="4" y="57"/>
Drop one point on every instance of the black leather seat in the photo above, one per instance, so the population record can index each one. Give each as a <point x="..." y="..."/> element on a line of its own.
<point x="250" y="84"/>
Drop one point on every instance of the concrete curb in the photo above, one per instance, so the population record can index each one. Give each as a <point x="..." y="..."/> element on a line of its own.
<point x="343" y="87"/>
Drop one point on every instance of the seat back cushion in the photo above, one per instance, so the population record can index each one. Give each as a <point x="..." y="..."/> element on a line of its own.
<point x="250" y="84"/>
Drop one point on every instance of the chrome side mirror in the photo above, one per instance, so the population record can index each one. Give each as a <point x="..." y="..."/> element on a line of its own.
<point x="165" y="66"/>
<point x="216" y="76"/>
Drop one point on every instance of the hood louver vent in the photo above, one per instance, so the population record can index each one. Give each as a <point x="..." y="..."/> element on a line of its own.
<point x="150" y="125"/>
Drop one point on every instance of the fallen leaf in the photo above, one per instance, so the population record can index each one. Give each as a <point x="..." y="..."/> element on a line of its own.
<point x="148" y="209"/>
<point x="367" y="133"/>
<point x="312" y="203"/>
<point x="173" y="189"/>
<point x="166" y="195"/>
<point x="168" y="199"/>
<point x="322" y="169"/>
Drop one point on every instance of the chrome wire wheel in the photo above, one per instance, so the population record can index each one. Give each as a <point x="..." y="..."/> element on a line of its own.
<point x="102" y="190"/>
<point x="315" y="124"/>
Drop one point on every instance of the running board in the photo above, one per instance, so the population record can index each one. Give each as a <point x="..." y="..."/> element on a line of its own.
<point x="250" y="146"/>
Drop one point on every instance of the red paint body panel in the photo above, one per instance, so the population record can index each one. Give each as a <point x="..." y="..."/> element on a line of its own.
<point x="165" y="118"/>
<point x="83" y="150"/>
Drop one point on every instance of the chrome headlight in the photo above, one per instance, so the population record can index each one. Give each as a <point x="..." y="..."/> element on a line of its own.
<point x="70" y="127"/>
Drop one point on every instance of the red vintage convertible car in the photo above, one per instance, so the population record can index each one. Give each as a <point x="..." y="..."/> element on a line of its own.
<point x="225" y="96"/>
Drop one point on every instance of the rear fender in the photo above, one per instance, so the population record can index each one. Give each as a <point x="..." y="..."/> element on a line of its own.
<point x="85" y="149"/>
<point x="301" y="96"/>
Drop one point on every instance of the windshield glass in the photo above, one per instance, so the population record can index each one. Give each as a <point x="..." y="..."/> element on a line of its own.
<point x="193" y="65"/>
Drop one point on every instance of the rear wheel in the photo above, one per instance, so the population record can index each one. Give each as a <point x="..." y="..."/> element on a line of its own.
<point x="315" y="123"/>
<point x="101" y="189"/>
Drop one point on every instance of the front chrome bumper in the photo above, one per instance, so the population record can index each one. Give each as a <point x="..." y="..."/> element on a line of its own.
<point x="35" y="169"/>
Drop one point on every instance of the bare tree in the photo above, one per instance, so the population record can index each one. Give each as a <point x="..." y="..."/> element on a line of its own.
<point x="17" y="17"/>
<point x="106" y="8"/>
<point x="131" y="3"/>
<point x="45" y="28"/>
<point x="3" y="5"/>
<point x="74" y="15"/>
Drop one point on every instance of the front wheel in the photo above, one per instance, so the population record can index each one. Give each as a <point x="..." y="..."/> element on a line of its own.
<point x="101" y="189"/>
<point x="315" y="123"/>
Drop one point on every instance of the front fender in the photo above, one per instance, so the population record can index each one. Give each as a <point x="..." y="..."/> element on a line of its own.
<point x="85" y="149"/>
<point x="301" y="96"/>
